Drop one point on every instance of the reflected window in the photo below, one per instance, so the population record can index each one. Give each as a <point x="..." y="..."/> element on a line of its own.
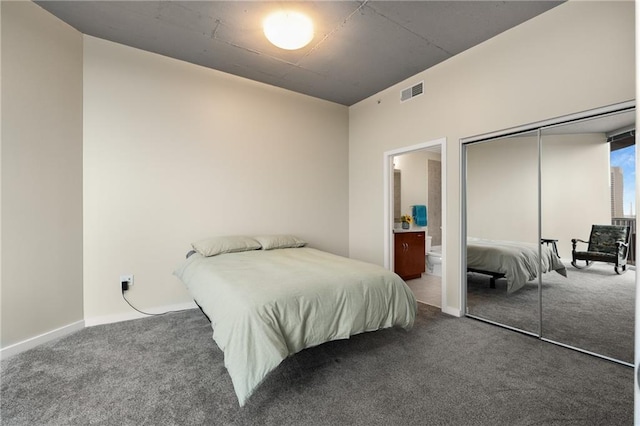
<point x="623" y="181"/>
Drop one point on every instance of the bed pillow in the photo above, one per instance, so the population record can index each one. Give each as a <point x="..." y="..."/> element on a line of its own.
<point x="228" y="244"/>
<point x="270" y="242"/>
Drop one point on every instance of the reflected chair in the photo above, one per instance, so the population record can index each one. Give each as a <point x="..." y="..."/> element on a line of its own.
<point x="607" y="243"/>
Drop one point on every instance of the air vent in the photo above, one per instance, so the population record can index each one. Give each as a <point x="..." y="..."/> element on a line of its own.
<point x="411" y="92"/>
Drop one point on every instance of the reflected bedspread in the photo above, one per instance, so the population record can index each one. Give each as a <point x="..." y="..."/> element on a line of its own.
<point x="517" y="261"/>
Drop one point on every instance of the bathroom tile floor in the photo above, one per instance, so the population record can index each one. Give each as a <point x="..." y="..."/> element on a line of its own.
<point x="427" y="289"/>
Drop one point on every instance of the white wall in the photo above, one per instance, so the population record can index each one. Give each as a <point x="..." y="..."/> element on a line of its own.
<point x="555" y="64"/>
<point x="41" y="173"/>
<point x="176" y="152"/>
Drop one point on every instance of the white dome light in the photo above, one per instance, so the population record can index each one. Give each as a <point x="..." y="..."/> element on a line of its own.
<point x="288" y="30"/>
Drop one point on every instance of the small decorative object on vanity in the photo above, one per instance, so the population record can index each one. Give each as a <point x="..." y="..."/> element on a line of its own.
<point x="406" y="221"/>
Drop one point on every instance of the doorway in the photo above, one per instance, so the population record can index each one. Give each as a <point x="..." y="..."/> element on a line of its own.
<point x="423" y="182"/>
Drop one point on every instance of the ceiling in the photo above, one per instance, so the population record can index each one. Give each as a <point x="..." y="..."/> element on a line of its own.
<point x="359" y="47"/>
<point x="609" y="124"/>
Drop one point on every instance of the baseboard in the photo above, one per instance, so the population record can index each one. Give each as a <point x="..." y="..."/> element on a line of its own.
<point x="32" y="342"/>
<point x="110" y="319"/>
<point x="451" y="311"/>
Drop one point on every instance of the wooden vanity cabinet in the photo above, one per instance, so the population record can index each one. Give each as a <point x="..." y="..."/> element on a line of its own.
<point x="409" y="255"/>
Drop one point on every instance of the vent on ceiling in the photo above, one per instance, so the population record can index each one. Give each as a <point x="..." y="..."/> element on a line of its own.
<point x="411" y="92"/>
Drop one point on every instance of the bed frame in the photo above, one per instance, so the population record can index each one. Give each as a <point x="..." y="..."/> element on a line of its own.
<point x="494" y="275"/>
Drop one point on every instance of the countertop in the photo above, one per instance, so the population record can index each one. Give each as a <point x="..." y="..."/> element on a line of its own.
<point x="401" y="231"/>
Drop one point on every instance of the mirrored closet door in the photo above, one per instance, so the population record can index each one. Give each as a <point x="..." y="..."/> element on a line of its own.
<point x="588" y="195"/>
<point x="549" y="230"/>
<point x="502" y="208"/>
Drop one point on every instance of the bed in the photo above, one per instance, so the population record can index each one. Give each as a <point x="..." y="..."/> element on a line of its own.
<point x="267" y="304"/>
<point x="517" y="262"/>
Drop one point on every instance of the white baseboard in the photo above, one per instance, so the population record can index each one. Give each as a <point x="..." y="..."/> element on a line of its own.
<point x="32" y="342"/>
<point x="110" y="319"/>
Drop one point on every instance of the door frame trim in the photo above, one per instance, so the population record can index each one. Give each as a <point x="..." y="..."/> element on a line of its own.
<point x="387" y="166"/>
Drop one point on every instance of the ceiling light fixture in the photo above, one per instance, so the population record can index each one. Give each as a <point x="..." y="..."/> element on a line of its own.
<point x="288" y="30"/>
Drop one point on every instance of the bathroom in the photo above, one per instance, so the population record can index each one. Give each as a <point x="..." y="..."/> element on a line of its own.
<point x="418" y="181"/>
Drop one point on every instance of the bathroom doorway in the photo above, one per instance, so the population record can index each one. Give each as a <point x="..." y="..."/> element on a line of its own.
<point x="415" y="176"/>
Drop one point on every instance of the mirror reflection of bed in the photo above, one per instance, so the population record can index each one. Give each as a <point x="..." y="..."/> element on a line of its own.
<point x="514" y="194"/>
<point x="501" y="198"/>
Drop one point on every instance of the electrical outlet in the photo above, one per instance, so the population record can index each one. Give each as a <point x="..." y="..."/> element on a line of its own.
<point x="128" y="279"/>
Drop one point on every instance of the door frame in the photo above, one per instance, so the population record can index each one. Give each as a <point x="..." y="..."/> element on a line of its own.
<point x="387" y="167"/>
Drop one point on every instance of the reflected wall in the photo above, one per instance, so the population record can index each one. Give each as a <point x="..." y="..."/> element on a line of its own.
<point x="502" y="205"/>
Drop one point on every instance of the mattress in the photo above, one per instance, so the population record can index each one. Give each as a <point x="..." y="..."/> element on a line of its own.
<point x="265" y="305"/>
<point x="517" y="261"/>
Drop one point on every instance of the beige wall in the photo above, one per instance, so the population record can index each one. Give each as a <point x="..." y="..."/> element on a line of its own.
<point x="502" y="188"/>
<point x="175" y="152"/>
<point x="555" y="64"/>
<point x="41" y="173"/>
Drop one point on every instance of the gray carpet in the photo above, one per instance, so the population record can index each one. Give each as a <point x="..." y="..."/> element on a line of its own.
<point x="592" y="309"/>
<point x="167" y="371"/>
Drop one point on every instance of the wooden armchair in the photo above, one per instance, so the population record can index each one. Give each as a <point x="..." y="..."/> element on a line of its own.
<point x="607" y="243"/>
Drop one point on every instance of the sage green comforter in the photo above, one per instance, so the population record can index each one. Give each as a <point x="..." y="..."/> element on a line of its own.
<point x="265" y="305"/>
<point x="516" y="260"/>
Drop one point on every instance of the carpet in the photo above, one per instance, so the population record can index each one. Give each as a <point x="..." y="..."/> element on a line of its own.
<point x="167" y="370"/>
<point x="592" y="308"/>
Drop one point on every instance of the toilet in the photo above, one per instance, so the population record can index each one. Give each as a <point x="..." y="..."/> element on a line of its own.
<point x="433" y="258"/>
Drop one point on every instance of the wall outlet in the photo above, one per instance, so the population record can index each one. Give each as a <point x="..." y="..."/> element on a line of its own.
<point x="128" y="279"/>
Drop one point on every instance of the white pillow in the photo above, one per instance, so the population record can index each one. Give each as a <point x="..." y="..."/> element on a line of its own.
<point x="228" y="244"/>
<point x="269" y="242"/>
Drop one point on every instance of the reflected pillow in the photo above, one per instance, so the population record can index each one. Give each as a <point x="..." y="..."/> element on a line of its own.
<point x="227" y="244"/>
<point x="270" y="242"/>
